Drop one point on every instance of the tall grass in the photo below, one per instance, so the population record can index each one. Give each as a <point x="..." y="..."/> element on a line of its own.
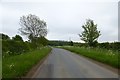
<point x="0" y="68"/>
<point x="19" y="65"/>
<point x="103" y="55"/>
<point x="0" y="58"/>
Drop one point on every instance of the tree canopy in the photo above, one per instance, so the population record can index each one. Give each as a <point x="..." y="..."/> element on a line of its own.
<point x="32" y="26"/>
<point x="5" y="37"/>
<point x="90" y="33"/>
<point x="17" y="38"/>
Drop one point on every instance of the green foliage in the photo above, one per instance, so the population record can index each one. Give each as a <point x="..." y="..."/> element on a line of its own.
<point x="16" y="45"/>
<point x="59" y="43"/>
<point x="71" y="43"/>
<point x="43" y="41"/>
<point x="90" y="33"/>
<point x="17" y="38"/>
<point x="39" y="42"/>
<point x="13" y="47"/>
<point x="110" y="46"/>
<point x="103" y="55"/>
<point x="5" y="37"/>
<point x="19" y="65"/>
<point x="106" y="45"/>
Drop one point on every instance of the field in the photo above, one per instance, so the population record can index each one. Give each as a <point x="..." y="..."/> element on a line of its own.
<point x="103" y="55"/>
<point x="19" y="65"/>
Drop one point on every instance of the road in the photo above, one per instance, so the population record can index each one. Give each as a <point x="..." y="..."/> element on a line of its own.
<point x="64" y="64"/>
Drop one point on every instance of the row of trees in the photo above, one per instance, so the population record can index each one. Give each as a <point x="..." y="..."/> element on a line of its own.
<point x="36" y="30"/>
<point x="104" y="45"/>
<point x="17" y="45"/>
<point x="60" y="43"/>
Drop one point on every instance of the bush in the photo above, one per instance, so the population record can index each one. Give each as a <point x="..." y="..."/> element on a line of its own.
<point x="11" y="47"/>
<point x="110" y="46"/>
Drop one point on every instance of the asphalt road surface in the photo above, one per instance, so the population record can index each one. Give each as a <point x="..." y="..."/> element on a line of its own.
<point x="64" y="64"/>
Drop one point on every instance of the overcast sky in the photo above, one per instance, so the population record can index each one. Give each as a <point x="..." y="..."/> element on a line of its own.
<point x="64" y="18"/>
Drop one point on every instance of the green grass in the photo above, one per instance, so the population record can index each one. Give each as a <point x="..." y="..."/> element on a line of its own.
<point x="102" y="55"/>
<point x="0" y="58"/>
<point x="19" y="65"/>
<point x="0" y="68"/>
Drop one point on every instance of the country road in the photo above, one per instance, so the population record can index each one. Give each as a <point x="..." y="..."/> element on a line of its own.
<point x="64" y="64"/>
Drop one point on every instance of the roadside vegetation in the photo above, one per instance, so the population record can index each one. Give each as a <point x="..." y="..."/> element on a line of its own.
<point x="109" y="57"/>
<point x="0" y="68"/>
<point x="19" y="56"/>
<point x="19" y="65"/>
<point x="0" y="58"/>
<point x="107" y="53"/>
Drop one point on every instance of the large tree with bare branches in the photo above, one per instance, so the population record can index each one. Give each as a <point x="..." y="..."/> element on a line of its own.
<point x="32" y="27"/>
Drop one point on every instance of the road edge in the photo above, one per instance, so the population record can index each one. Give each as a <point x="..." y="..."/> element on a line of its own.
<point x="115" y="70"/>
<point x="32" y="71"/>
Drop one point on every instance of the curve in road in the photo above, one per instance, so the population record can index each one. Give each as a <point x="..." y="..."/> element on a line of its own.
<point x="64" y="64"/>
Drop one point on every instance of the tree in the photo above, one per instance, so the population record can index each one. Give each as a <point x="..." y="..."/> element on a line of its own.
<point x="71" y="43"/>
<point x="5" y="37"/>
<point x="17" y="38"/>
<point x="90" y="33"/>
<point x="32" y="27"/>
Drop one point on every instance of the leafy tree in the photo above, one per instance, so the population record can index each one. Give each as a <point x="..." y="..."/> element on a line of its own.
<point x="32" y="27"/>
<point x="5" y="37"/>
<point x="71" y="43"/>
<point x="90" y="33"/>
<point x="42" y="41"/>
<point x="17" y="38"/>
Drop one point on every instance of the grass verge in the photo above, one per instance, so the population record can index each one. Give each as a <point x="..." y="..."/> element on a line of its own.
<point x="0" y="67"/>
<point x="19" y="65"/>
<point x="102" y="55"/>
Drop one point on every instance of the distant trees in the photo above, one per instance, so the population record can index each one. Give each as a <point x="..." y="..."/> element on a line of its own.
<point x="60" y="43"/>
<point x="34" y="28"/>
<point x="71" y="43"/>
<point x="90" y="33"/>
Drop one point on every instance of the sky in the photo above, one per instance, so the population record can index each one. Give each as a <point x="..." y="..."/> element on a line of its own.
<point x="64" y="18"/>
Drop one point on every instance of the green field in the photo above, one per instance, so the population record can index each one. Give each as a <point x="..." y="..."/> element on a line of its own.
<point x="19" y="65"/>
<point x="105" y="56"/>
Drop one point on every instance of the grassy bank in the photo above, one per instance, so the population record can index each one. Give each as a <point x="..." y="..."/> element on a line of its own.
<point x="19" y="65"/>
<point x="0" y="58"/>
<point x="0" y="68"/>
<point x="105" y="56"/>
